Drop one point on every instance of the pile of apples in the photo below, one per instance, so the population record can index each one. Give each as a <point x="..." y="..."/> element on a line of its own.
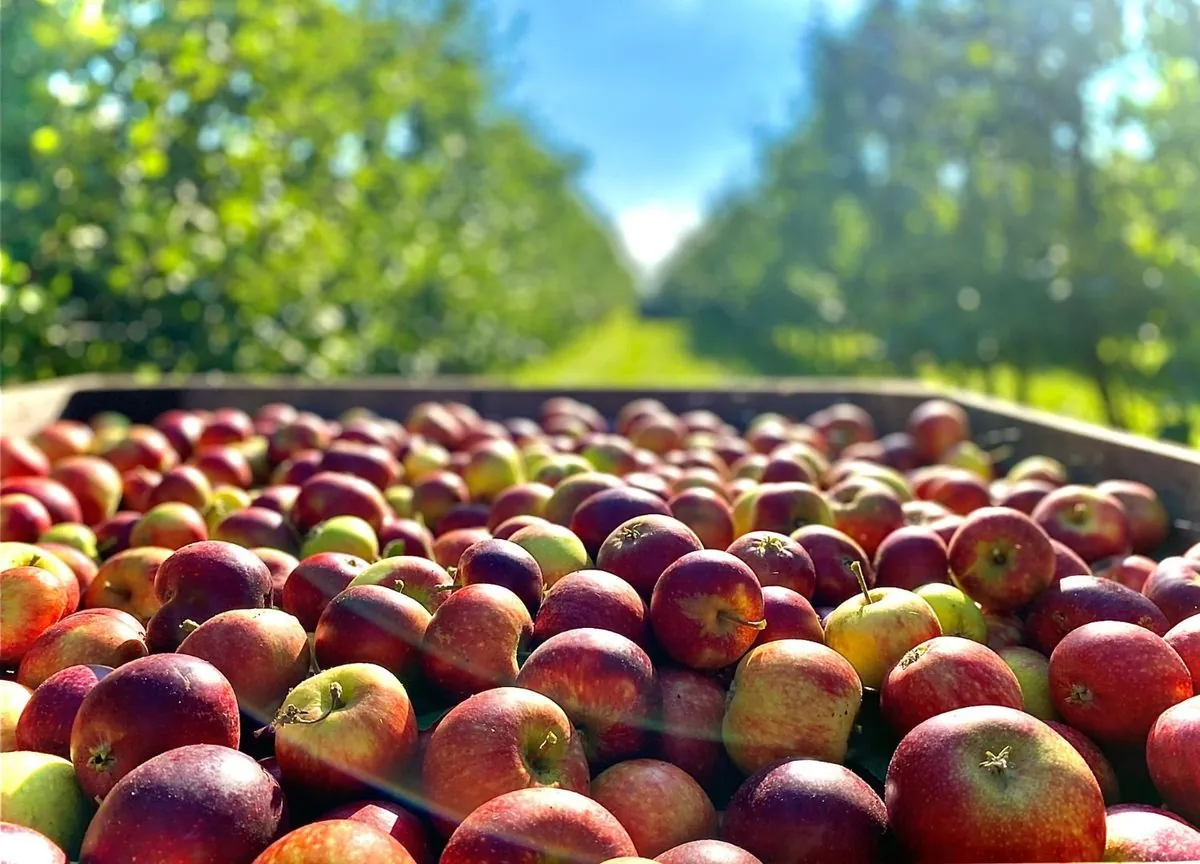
<point x="282" y="638"/>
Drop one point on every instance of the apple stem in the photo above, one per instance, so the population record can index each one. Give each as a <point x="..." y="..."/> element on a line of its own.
<point x="188" y="626"/>
<point x="290" y="714"/>
<point x="997" y="762"/>
<point x="548" y="741"/>
<point x="760" y="624"/>
<point x="856" y="568"/>
<point x="398" y="585"/>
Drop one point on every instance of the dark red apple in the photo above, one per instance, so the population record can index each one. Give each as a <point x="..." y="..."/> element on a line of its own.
<point x="1174" y="587"/>
<point x="181" y="428"/>
<point x="1090" y="522"/>
<point x="402" y="825"/>
<point x="414" y="536"/>
<point x="591" y="598"/>
<point x="46" y="720"/>
<point x="21" y="458"/>
<point x="23" y="518"/>
<point x="303" y="432"/>
<point x="960" y="491"/>
<point x="843" y="424"/>
<point x="640" y="549"/>
<point x="1149" y="522"/>
<point x="136" y="487"/>
<point x="184" y="483"/>
<point x="281" y="565"/>
<point x="297" y="468"/>
<point x="370" y="462"/>
<point x="325" y="495"/>
<point x="58" y="500"/>
<point x="777" y="559"/>
<point x="788" y="616"/>
<point x="436" y="494"/>
<point x="226" y="426"/>
<point x="1025" y="495"/>
<point x="257" y="526"/>
<point x="372" y="624"/>
<point x="1001" y="558"/>
<point x="1067" y="562"/>
<point x="316" y="580"/>
<point x="1184" y="637"/>
<point x="833" y="554"/>
<point x="472" y="641"/>
<point x="780" y="507"/>
<point x="1132" y="571"/>
<point x="449" y="547"/>
<point x="601" y="514"/>
<point x="1102" y="769"/>
<point x="504" y="563"/>
<point x="279" y="498"/>
<point x="691" y="708"/>
<point x="935" y="426"/>
<point x="142" y="445"/>
<point x="910" y="557"/>
<point x="866" y="510"/>
<point x="1078" y="600"/>
<point x="1172" y="754"/>
<point x="707" y="513"/>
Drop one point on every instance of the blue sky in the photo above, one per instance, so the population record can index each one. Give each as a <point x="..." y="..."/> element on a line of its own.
<point x="667" y="97"/>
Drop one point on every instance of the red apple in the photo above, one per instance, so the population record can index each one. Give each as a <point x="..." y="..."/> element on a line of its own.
<point x="707" y="513"/>
<point x="172" y="526"/>
<point x="23" y="518"/>
<point x="46" y="720"/>
<point x="785" y="466"/>
<point x="335" y="840"/>
<point x="843" y="424"/>
<point x="227" y="807"/>
<point x="538" y="826"/>
<point x="1079" y="600"/>
<point x="591" y="598"/>
<point x="831" y="814"/>
<point x="472" y="641"/>
<point x="1148" y="835"/>
<point x="414" y="536"/>
<point x="866" y="510"/>
<point x="368" y="461"/>
<point x="226" y="426"/>
<point x="958" y="490"/>
<point x="257" y="526"/>
<point x="137" y="485"/>
<point x="325" y="495"/>
<point x="504" y="563"/>
<point x="94" y="482"/>
<point x="401" y="824"/>
<point x="81" y="565"/>
<point x="601" y="514"/>
<point x="1001" y="558"/>
<point x="1090" y="522"/>
<point x="1174" y="587"/>
<point x="372" y="624"/>
<point x="910" y="557"/>
<point x="833" y="554"/>
<point x="1172" y="754"/>
<point x="303" y="432"/>
<point x="183" y="483"/>
<point x="315" y="581"/>
<point x="935" y="426"/>
<point x="660" y="432"/>
<point x="506" y="529"/>
<point x="279" y="498"/>
<point x="102" y="637"/>
<point x="281" y="565"/>
<point x="788" y="616"/>
<point x="1132" y="571"/>
<point x="494" y="742"/>
<point x="573" y="491"/>
<point x="58" y="500"/>
<point x="1024" y="495"/>
<point x="603" y="681"/>
<point x="691" y="707"/>
<point x="659" y="804"/>
<point x="1102" y="769"/>
<point x="126" y="582"/>
<point x="21" y="458"/>
<point x="1111" y="680"/>
<point x="23" y="845"/>
<point x="1149" y="522"/>
<point x="946" y="526"/>
<point x="142" y="446"/>
<point x="1067" y="562"/>
<point x="182" y="429"/>
<point x="707" y="852"/>
<point x="32" y="600"/>
<point x="777" y="559"/>
<point x="449" y="547"/>
<point x="1184" y="637"/>
<point x="297" y="468"/>
<point x="640" y="549"/>
<point x="63" y="438"/>
<point x="524" y="499"/>
<point x="781" y="508"/>
<point x="145" y="708"/>
<point x="435" y="494"/>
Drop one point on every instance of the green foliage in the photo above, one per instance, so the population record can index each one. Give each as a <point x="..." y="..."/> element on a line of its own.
<point x="312" y="187"/>
<point x="959" y="196"/>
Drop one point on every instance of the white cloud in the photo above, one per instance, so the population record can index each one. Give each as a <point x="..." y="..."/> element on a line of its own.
<point x="653" y="230"/>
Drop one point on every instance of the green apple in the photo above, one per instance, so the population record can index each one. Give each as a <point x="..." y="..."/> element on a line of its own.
<point x="13" y="554"/>
<point x="350" y="535"/>
<point x="400" y="498"/>
<point x="557" y="550"/>
<point x="958" y="614"/>
<point x="39" y="791"/>
<point x="72" y="534"/>
<point x="1033" y="674"/>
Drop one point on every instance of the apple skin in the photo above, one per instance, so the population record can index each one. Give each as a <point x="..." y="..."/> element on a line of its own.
<point x="201" y="580"/>
<point x="263" y="653"/>
<point x="346" y="730"/>
<point x="1079" y="600"/>
<point x="416" y="538"/>
<point x="325" y="495"/>
<point x="942" y="674"/>
<point x="1147" y="835"/>
<point x="1111" y="679"/>
<point x="316" y="580"/>
<point x="279" y="498"/>
<point x="401" y="824"/>
<point x="777" y="559"/>
<point x="281" y="565"/>
<point x="1001" y="558"/>
<point x="1067" y="562"/>
<point x="506" y="529"/>
<point x="19" y="457"/>
<point x="227" y="807"/>
<point x="604" y="682"/>
<point x="81" y="565"/>
<point x="935" y="426"/>
<point x="182" y="429"/>
<point x="1172" y="754"/>
<point x="1032" y="669"/>
<point x="781" y="508"/>
<point x="63" y="438"/>
<point x="960" y="491"/>
<point x="791" y="698"/>
<point x="112" y="535"/>
<point x="94" y="482"/>
<point x="255" y="527"/>
<point x="23" y="518"/>
<point x="531" y="826"/>
<point x="989" y="783"/>
<point x="707" y="513"/>
<point x="14" y="699"/>
<point x="23" y="845"/>
<point x="524" y="499"/>
<point x="102" y="637"/>
<point x="691" y="708"/>
<point x="592" y="598"/>
<point x="142" y="446"/>
<point x="372" y="624"/>
<point x="657" y="803"/>
<point x="707" y="609"/>
<point x="297" y="468"/>
<point x="573" y="491"/>
<point x="472" y="641"/>
<point x="38" y="791"/>
<point x="58" y="500"/>
<point x="640" y="549"/>
<point x="126" y="582"/>
<point x="45" y="723"/>
<point x="1024" y="495"/>
<point x="1184" y="637"/>
<point x="601" y="514"/>
<point x="32" y="600"/>
<point x="707" y="852"/>
<point x="172" y="526"/>
<point x="832" y="554"/>
<point x="226" y="426"/>
<point x="788" y="616"/>
<point x="1149" y="522"/>
<point x="184" y="483"/>
<point x="1090" y="522"/>
<point x="371" y="462"/>
<point x="1174" y="587"/>
<point x="493" y="466"/>
<point x="865" y="510"/>
<point x="335" y="840"/>
<point x="449" y="547"/>
<point x="831" y="814"/>
<point x="874" y="634"/>
<point x="504" y="563"/>
<point x="145" y="708"/>
<point x="495" y="742"/>
<point x="1101" y="768"/>
<point x="436" y="494"/>
<point x="303" y="432"/>
<point x="910" y="557"/>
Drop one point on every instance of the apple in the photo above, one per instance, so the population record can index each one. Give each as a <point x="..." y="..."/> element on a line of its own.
<point x="781" y="508"/>
<point x="325" y="495"/>
<point x="317" y="580"/>
<point x="660" y="432"/>
<point x="371" y="462"/>
<point x="1172" y="754"/>
<point x="23" y="845"/>
<point x="1090" y="522"/>
<point x="305" y="431"/>
<point x="45" y="723"/>
<point x="94" y="482"/>
<point x="226" y="426"/>
<point x="960" y="491"/>
<point x="659" y="804"/>
<point x="184" y="483"/>
<point x="182" y="429"/>
<point x="1111" y="680"/>
<point x="335" y="840"/>
<point x="172" y="526"/>
<point x="707" y="514"/>
<point x="707" y="609"/>
<point x="281" y="565"/>
<point x="63" y="438"/>
<point x="612" y="454"/>
<point x="493" y="465"/>
<point x="449" y="547"/>
<point x="14" y="699"/>
<point x="911" y="556"/>
<point x="504" y="563"/>
<point x="1079" y="600"/>
<point x="831" y="814"/>
<point x="126" y="582"/>
<point x="472" y="641"/>
<point x="345" y="730"/>
<point x="141" y="445"/>
<point x="506" y="529"/>
<point x="103" y="637"/>
<point x="843" y="424"/>
<point x="601" y="514"/>
<point x="1149" y="522"/>
<point x="749" y="465"/>
<point x="574" y="490"/>
<point x="691" y="709"/>
<point x="777" y="560"/>
<point x="640" y="549"/>
<point x="279" y="498"/>
<point x="32" y="600"/>
<point x="942" y="674"/>
<point x="591" y="598"/>
<point x="225" y="805"/>
<point x="833" y="555"/>
<point x="936" y="425"/>
<point x="297" y="468"/>
<point x="73" y="534"/>
<point x="201" y="580"/>
<point x="38" y="791"/>
<point x="21" y="458"/>
<point x="263" y="653"/>
<point x="1067" y="562"/>
<point x="523" y="499"/>
<point x="1001" y="558"/>
<point x="865" y="510"/>
<point x="494" y="742"/>
<point x="58" y="500"/>
<point x="1003" y="630"/>
<point x="436" y="494"/>
<point x="255" y="527"/>
<point x="791" y="698"/>
<point x="136" y="488"/>
<point x="349" y="535"/>
<point x="401" y="824"/>
<point x="788" y="616"/>
<point x="1174" y="587"/>
<point x="557" y="550"/>
<point x="706" y="852"/>
<point x="1101" y="768"/>
<point x="989" y="783"/>
<point x="1043" y="468"/>
<point x="784" y="466"/>
<point x="1024" y="495"/>
<point x="957" y="613"/>
<point x="23" y="518"/>
<point x="877" y="628"/>
<point x="1148" y="835"/>
<point x="1184" y="637"/>
<point x="372" y="624"/>
<point x="147" y="707"/>
<point x="83" y="568"/>
<point x="405" y="536"/>
<point x="1033" y="673"/>
<point x="538" y="826"/>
